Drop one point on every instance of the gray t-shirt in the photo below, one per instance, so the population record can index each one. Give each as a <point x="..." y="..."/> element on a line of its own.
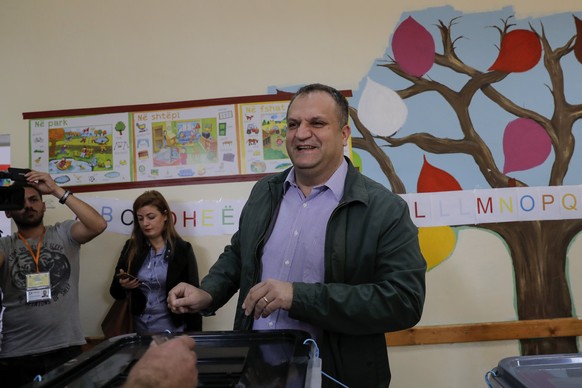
<point x="42" y="326"/>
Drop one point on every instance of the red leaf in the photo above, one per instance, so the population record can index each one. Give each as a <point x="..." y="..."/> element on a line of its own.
<point x="578" y="43"/>
<point x="520" y="51"/>
<point x="432" y="179"/>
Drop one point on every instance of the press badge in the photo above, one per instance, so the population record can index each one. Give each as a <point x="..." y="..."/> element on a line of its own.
<point x="38" y="287"/>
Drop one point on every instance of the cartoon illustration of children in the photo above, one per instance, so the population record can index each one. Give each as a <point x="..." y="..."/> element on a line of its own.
<point x="183" y="156"/>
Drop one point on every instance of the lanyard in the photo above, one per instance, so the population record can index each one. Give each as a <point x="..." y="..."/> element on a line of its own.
<point x="37" y="256"/>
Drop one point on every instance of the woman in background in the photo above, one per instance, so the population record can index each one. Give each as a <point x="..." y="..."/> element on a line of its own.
<point x="152" y="262"/>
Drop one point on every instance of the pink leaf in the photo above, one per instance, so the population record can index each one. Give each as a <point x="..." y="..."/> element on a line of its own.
<point x="413" y="48"/>
<point x="525" y="145"/>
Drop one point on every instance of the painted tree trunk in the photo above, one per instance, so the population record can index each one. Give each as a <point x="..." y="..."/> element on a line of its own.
<point x="539" y="254"/>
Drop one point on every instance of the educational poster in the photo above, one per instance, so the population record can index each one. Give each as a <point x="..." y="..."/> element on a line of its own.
<point x="227" y="139"/>
<point x="193" y="142"/>
<point x="82" y="150"/>
<point x="263" y="128"/>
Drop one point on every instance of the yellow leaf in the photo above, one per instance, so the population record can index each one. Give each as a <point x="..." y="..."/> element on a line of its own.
<point x="436" y="244"/>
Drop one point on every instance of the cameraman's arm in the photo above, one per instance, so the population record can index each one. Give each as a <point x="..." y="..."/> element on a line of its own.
<point x="90" y="223"/>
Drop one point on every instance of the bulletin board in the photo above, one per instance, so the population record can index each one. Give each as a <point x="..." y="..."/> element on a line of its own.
<point x="190" y="142"/>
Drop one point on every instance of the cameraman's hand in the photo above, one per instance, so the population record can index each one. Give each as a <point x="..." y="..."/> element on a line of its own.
<point x="44" y="183"/>
<point x="89" y="222"/>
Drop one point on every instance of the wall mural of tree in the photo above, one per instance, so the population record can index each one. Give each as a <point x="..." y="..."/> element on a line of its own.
<point x="465" y="101"/>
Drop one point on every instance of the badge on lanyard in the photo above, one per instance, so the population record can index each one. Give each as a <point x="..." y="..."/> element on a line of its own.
<point x="38" y="287"/>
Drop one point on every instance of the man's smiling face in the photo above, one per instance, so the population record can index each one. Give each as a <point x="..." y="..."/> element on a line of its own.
<point x="315" y="141"/>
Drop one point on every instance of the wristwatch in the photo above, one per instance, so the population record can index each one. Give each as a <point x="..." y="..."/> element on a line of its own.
<point x="65" y="196"/>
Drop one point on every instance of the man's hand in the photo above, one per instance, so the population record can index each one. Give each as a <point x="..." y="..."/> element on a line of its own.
<point x="43" y="182"/>
<point x="171" y="364"/>
<point x="90" y="223"/>
<point x="185" y="298"/>
<point x="268" y="296"/>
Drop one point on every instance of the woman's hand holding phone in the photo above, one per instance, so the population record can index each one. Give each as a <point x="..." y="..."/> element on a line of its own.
<point x="127" y="280"/>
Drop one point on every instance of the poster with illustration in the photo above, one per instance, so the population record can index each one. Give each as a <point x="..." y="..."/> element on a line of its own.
<point x="82" y="150"/>
<point x="263" y="128"/>
<point x="193" y="142"/>
<point x="262" y="134"/>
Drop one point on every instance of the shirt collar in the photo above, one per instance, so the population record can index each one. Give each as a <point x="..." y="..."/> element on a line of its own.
<point x="335" y="183"/>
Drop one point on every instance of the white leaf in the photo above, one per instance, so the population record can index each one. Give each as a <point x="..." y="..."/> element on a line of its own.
<point x="381" y="109"/>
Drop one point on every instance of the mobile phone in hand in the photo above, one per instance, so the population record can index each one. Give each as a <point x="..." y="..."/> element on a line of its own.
<point x="125" y="275"/>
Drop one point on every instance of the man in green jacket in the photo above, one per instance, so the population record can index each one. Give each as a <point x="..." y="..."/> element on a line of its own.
<point x="321" y="248"/>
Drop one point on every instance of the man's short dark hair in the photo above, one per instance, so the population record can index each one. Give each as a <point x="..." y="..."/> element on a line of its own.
<point x="340" y="100"/>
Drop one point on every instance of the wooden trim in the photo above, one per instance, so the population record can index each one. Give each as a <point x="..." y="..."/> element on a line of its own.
<point x="475" y="332"/>
<point x="155" y="106"/>
<point x="279" y="95"/>
<point x="489" y="331"/>
<point x="165" y="182"/>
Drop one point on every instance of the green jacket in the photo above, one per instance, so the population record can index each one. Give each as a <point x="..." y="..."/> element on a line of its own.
<point x="374" y="275"/>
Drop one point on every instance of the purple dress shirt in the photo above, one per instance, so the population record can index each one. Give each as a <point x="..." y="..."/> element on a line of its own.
<point x="156" y="316"/>
<point x="295" y="250"/>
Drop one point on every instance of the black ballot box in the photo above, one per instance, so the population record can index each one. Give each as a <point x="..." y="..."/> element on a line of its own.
<point x="543" y="371"/>
<point x="275" y="358"/>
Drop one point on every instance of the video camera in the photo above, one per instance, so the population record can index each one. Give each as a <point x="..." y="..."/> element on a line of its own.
<point x="12" y="197"/>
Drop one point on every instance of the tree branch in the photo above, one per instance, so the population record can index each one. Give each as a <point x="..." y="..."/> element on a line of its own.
<point x="367" y="143"/>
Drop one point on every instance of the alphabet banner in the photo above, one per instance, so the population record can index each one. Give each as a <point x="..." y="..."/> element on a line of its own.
<point x="463" y="207"/>
<point x="197" y="218"/>
<point x="452" y="208"/>
<point x="470" y="207"/>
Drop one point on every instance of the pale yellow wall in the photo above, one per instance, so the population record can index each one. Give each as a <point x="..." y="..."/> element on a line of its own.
<point x="64" y="54"/>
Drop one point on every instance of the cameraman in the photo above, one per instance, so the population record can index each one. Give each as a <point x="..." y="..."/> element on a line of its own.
<point x="39" y="276"/>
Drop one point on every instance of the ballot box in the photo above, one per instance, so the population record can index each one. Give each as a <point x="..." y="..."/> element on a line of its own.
<point x="276" y="358"/>
<point x="544" y="371"/>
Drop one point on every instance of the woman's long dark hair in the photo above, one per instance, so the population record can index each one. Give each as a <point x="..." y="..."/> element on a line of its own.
<point x="138" y="240"/>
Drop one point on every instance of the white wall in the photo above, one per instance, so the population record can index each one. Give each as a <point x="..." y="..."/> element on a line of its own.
<point x="66" y="54"/>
